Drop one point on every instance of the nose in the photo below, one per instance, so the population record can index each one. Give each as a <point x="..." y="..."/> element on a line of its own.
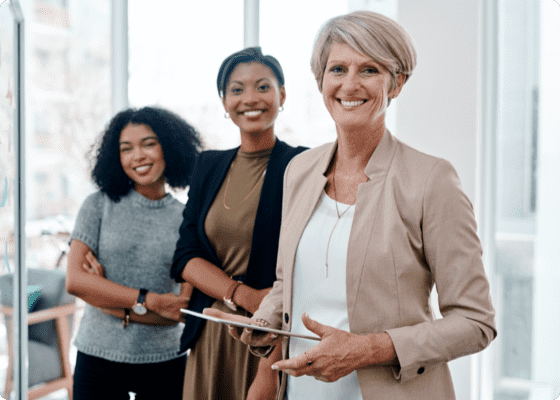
<point x="250" y="96"/>
<point x="138" y="153"/>
<point x="351" y="82"/>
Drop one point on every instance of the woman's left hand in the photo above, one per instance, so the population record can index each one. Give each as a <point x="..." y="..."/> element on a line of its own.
<point x="338" y="354"/>
<point x="93" y="266"/>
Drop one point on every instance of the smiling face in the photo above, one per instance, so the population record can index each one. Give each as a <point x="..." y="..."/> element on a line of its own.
<point x="142" y="159"/>
<point x="253" y="98"/>
<point x="356" y="88"/>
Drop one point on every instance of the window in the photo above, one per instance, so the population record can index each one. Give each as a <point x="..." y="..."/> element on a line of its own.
<point x="177" y="67"/>
<point x="67" y="103"/>
<point x="523" y="238"/>
<point x="305" y="120"/>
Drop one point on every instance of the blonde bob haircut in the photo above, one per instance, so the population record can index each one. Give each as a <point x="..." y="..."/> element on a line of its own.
<point x="371" y="34"/>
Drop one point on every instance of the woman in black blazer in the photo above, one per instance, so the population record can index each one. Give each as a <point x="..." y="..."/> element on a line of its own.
<point x="229" y="236"/>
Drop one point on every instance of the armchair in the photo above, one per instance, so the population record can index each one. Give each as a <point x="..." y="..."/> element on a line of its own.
<point x="49" y="319"/>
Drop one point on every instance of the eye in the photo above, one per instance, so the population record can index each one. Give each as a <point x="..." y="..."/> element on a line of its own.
<point x="264" y="87"/>
<point x="235" y="90"/>
<point x="336" y="70"/>
<point x="371" y="70"/>
<point x="150" y="143"/>
<point x="125" y="149"/>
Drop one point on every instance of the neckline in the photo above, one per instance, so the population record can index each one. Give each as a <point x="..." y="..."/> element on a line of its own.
<point x="255" y="154"/>
<point x="137" y="198"/>
<point x="333" y="201"/>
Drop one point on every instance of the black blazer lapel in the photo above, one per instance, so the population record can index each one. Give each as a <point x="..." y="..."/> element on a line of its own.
<point x="216" y="175"/>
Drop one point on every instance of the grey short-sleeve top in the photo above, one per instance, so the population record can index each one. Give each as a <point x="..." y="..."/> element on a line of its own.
<point x="134" y="240"/>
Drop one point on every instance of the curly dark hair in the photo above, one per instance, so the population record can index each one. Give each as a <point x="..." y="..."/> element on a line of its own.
<point x="180" y="144"/>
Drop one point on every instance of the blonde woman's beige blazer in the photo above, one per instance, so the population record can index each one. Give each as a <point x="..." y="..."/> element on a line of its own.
<point x="413" y="229"/>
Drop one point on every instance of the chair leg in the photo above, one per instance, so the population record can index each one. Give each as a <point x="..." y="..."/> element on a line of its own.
<point x="64" y="351"/>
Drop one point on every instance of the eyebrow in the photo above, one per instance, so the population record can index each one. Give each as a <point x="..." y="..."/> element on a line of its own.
<point x="258" y="81"/>
<point x="142" y="140"/>
<point x="344" y="61"/>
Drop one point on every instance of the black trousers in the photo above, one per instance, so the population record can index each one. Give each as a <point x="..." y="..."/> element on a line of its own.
<point x="96" y="378"/>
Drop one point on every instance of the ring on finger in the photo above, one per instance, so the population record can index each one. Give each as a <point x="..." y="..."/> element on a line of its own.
<point x="309" y="362"/>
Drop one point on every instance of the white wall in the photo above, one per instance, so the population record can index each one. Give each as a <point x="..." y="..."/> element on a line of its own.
<point x="437" y="109"/>
<point x="438" y="106"/>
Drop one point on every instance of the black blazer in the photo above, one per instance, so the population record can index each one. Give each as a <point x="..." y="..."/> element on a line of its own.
<point x="208" y="177"/>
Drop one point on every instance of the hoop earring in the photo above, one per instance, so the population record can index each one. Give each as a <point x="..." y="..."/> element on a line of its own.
<point x="281" y="109"/>
<point x="226" y="115"/>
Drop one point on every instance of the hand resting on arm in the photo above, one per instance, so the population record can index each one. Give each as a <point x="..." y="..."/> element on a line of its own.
<point x="85" y="279"/>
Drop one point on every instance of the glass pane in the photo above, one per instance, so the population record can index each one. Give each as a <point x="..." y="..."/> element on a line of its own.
<point x="68" y="48"/>
<point x="515" y="240"/>
<point x="70" y="96"/>
<point x="7" y="200"/>
<point x="305" y="119"/>
<point x="517" y="118"/>
<point x="174" y="60"/>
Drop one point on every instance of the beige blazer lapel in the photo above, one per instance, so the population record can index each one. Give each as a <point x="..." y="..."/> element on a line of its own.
<point x="365" y="214"/>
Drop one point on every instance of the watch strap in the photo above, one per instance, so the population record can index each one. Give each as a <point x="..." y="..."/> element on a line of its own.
<point x="126" y="318"/>
<point x="142" y="296"/>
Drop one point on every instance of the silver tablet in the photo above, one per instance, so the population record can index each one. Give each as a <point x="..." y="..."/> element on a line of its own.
<point x="242" y="325"/>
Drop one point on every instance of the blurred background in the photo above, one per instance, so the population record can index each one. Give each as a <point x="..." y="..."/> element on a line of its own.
<point x="485" y="96"/>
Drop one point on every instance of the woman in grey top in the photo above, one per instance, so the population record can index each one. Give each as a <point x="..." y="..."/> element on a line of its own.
<point x="120" y="254"/>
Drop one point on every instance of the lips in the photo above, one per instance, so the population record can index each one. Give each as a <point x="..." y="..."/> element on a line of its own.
<point x="252" y="113"/>
<point x="354" y="103"/>
<point x="142" y="168"/>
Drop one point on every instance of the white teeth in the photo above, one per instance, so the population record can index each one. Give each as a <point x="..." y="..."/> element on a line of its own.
<point x="352" y="103"/>
<point x="142" y="168"/>
<point x="252" y="113"/>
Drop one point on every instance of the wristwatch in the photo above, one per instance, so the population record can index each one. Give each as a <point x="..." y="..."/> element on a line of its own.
<point x="140" y="307"/>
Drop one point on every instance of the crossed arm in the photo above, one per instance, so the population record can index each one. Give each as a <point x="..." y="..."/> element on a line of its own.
<point x="86" y="280"/>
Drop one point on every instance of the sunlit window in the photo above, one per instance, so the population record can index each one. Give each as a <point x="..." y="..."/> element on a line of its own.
<point x="175" y="57"/>
<point x="517" y="140"/>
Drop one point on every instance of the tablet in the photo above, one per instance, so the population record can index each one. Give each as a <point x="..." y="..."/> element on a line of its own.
<point x="242" y="325"/>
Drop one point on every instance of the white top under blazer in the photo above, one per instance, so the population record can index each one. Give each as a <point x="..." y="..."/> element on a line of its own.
<point x="322" y="296"/>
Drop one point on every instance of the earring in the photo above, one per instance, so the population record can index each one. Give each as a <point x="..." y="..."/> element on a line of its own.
<point x="281" y="109"/>
<point x="226" y="115"/>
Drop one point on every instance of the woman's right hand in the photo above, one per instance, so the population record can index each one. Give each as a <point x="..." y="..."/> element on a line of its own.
<point x="248" y="298"/>
<point x="167" y="305"/>
<point x="248" y="336"/>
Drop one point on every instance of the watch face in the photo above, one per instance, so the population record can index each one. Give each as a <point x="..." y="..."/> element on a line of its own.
<point x="139" y="309"/>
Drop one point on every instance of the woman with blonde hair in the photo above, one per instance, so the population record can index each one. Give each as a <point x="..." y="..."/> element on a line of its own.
<point x="369" y="227"/>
